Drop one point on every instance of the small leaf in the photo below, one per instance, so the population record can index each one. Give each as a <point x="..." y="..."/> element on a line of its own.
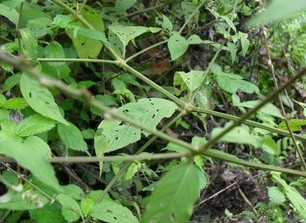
<point x="37" y="162"/>
<point x="48" y="214"/>
<point x="276" y="196"/>
<point x="233" y="50"/>
<point x="40" y="99"/>
<point x="72" y="137"/>
<point x="11" y="82"/>
<point x="9" y="13"/>
<point x="174" y="195"/>
<point x="177" y="45"/>
<point x="86" y="205"/>
<point x="167" y="23"/>
<point x="193" y="79"/>
<point x="112" y="212"/>
<point x="122" y="5"/>
<point x="295" y="124"/>
<point x="245" y="43"/>
<point x="70" y="208"/>
<point x="269" y="108"/>
<point x="33" y="125"/>
<point x="15" y="103"/>
<point x="30" y="43"/>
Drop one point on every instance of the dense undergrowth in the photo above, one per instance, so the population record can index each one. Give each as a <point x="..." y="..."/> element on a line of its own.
<point x="152" y="111"/>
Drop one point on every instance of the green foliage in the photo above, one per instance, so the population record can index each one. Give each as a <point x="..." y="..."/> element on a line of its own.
<point x="186" y="178"/>
<point x="107" y="74"/>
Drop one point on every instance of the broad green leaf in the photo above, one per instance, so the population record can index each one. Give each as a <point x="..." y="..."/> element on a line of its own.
<point x="9" y="13"/>
<point x="33" y="125"/>
<point x="41" y="146"/>
<point x="11" y="82"/>
<point x="48" y="214"/>
<point x="177" y="45"/>
<point x="276" y="196"/>
<point x="188" y="8"/>
<point x="40" y="26"/>
<point x="31" y="158"/>
<point x="18" y="201"/>
<point x="192" y="79"/>
<point x="122" y="5"/>
<point x="30" y="43"/>
<point x="113" y="134"/>
<point x="240" y="134"/>
<point x="73" y="191"/>
<point x="39" y="98"/>
<point x="295" y="124"/>
<point x="83" y="39"/>
<point x="72" y="137"/>
<point x="269" y="108"/>
<point x="277" y="10"/>
<point x="232" y="83"/>
<point x="174" y="195"/>
<point x="15" y="104"/>
<point x="70" y="208"/>
<point x="229" y="22"/>
<point x="112" y="212"/>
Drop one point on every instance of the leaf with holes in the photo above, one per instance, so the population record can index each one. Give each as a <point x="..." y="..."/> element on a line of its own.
<point x="174" y="195"/>
<point x="40" y="99"/>
<point x="114" y="134"/>
<point x="177" y="45"/>
<point x="192" y="79"/>
<point x="34" y="124"/>
<point x="72" y="137"/>
<point x="112" y="212"/>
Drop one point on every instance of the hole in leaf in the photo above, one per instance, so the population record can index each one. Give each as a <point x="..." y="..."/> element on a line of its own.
<point x="116" y="138"/>
<point x="126" y="110"/>
<point x="153" y="116"/>
<point x="157" y="110"/>
<point x="173" y="217"/>
<point x="109" y="211"/>
<point x="30" y="95"/>
<point x="47" y="103"/>
<point x="82" y="44"/>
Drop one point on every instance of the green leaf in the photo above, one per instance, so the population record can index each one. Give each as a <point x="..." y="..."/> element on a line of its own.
<point x="239" y="134"/>
<point x="232" y="83"/>
<point x="11" y="82"/>
<point x="74" y="191"/>
<point x="15" y="103"/>
<point x="233" y="50"/>
<point x="277" y="11"/>
<point x="177" y="45"/>
<point x="42" y="147"/>
<point x="39" y="98"/>
<point x="167" y="23"/>
<point x="72" y="137"/>
<point x="86" y="205"/>
<point x="113" y="134"/>
<point x="295" y="124"/>
<point x="269" y="108"/>
<point x="9" y="13"/>
<point x="174" y="195"/>
<point x="85" y="40"/>
<point x="31" y="158"/>
<point x="122" y="5"/>
<point x="48" y="214"/>
<point x="245" y="43"/>
<point x="125" y="34"/>
<point x="70" y="208"/>
<point x="276" y="196"/>
<point x="30" y="43"/>
<point x="112" y="212"/>
<point x="33" y="125"/>
<point x="192" y="79"/>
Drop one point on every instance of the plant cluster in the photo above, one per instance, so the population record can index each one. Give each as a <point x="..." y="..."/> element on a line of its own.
<point x="147" y="111"/>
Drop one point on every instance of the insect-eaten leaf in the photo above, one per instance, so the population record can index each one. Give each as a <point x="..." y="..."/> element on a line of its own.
<point x="114" y="134"/>
<point x="177" y="45"/>
<point x="40" y="99"/>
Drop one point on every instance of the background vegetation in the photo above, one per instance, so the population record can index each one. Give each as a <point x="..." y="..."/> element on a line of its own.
<point x="152" y="111"/>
